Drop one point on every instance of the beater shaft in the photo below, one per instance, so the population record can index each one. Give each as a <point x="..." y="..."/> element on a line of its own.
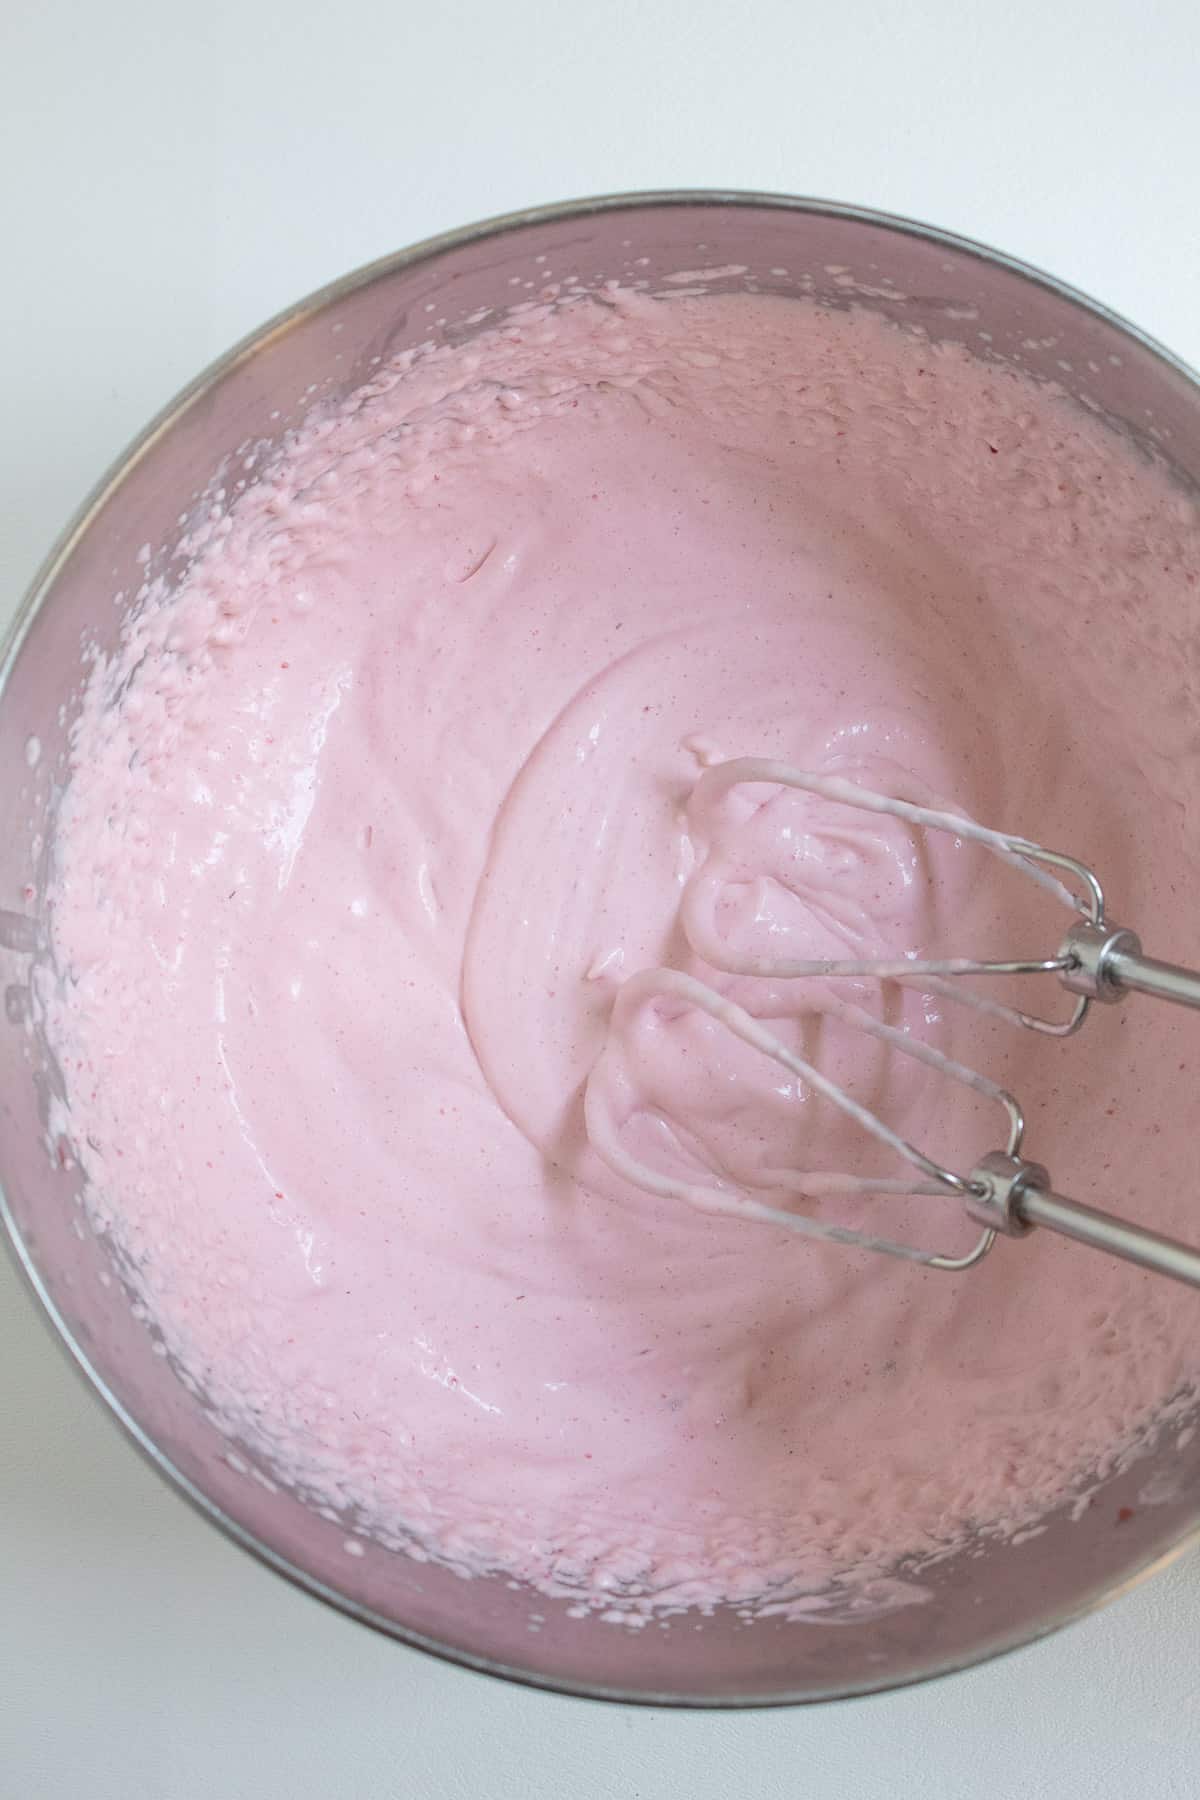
<point x="1099" y="1230"/>
<point x="1146" y="975"/>
<point x="1105" y="962"/>
<point x="1010" y="1194"/>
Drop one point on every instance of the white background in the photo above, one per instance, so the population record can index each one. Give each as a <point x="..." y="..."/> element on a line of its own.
<point x="169" y="176"/>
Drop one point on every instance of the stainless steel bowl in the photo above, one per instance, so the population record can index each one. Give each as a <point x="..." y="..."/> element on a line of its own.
<point x="981" y="1603"/>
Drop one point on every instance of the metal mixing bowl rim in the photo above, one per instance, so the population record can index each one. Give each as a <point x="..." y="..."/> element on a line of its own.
<point x="428" y="251"/>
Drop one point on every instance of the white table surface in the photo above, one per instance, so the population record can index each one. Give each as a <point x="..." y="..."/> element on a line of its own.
<point x="170" y="176"/>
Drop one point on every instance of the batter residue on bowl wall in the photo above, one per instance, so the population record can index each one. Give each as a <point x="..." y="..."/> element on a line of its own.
<point x="369" y="815"/>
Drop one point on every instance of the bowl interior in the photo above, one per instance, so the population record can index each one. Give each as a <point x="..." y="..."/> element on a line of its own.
<point x="978" y="1602"/>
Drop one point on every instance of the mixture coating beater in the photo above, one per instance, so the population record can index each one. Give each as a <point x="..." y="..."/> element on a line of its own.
<point x="1004" y="1192"/>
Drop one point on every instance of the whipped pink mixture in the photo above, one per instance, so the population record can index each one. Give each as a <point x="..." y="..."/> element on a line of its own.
<point x="371" y="817"/>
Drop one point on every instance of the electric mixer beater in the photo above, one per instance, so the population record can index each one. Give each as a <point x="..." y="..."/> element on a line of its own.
<point x="1004" y="1192"/>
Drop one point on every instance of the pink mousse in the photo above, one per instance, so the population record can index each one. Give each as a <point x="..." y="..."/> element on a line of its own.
<point x="369" y="817"/>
